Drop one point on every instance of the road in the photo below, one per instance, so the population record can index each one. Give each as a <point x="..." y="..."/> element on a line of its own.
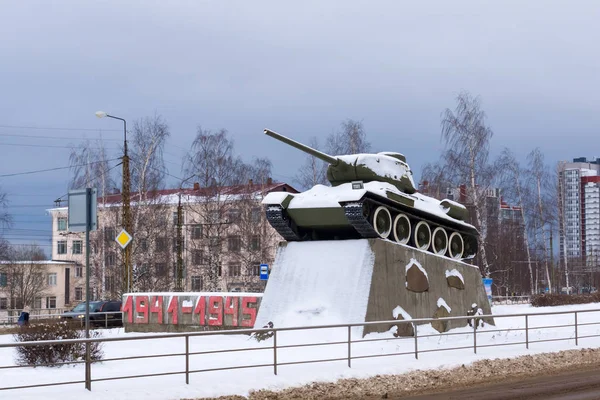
<point x="580" y="385"/>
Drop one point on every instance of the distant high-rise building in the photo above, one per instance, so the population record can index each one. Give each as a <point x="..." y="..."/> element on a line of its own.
<point x="579" y="202"/>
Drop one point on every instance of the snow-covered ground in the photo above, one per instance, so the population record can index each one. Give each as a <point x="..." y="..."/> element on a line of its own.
<point x="241" y="381"/>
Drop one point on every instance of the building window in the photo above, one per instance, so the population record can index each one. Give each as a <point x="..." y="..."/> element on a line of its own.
<point x="52" y="279"/>
<point x="175" y="217"/>
<point x="197" y="231"/>
<point x="79" y="272"/>
<point x="197" y="257"/>
<point x="196" y="283"/>
<point x="161" y="269"/>
<point x="109" y="234"/>
<point x="62" y="223"/>
<point x="110" y="259"/>
<point x="3" y="279"/>
<point x="61" y="247"/>
<point x="233" y="215"/>
<point x="78" y="294"/>
<point x="51" y="302"/>
<point x="161" y="244"/>
<point x="175" y="245"/>
<point x="37" y="303"/>
<point x="235" y="269"/>
<point x="256" y="214"/>
<point x="213" y="216"/>
<point x="77" y="245"/>
<point x="3" y="303"/>
<point x="143" y="243"/>
<point x="234" y="243"/>
<point x="255" y="243"/>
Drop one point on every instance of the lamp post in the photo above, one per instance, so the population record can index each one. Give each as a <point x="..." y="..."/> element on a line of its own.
<point x="125" y="195"/>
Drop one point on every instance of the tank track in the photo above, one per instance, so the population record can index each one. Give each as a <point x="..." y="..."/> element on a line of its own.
<point x="360" y="222"/>
<point x="277" y="217"/>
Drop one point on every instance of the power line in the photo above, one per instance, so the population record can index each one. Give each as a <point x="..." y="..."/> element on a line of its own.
<point x="51" y="146"/>
<point x="55" y="137"/>
<point x="55" y="169"/>
<point x="48" y="128"/>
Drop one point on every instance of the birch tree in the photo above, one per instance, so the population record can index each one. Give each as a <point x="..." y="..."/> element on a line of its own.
<point x="350" y="139"/>
<point x="467" y="139"/>
<point x="513" y="182"/>
<point x="313" y="171"/>
<point x="539" y="176"/>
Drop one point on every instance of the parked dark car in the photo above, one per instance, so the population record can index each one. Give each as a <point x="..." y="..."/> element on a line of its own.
<point x="109" y="310"/>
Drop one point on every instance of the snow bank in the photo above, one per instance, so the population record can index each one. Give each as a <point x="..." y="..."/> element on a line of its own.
<point x="320" y="282"/>
<point x="455" y="272"/>
<point x="400" y="311"/>
<point x="442" y="303"/>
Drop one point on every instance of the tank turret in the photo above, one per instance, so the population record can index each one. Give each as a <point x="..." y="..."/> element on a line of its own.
<point x="372" y="196"/>
<point x="383" y="167"/>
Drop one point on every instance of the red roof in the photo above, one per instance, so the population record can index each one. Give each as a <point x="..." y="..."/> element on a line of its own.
<point x="206" y="191"/>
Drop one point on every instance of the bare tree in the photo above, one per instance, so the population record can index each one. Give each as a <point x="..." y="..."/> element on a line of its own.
<point x="313" y="171"/>
<point x="515" y="187"/>
<point x="435" y="181"/>
<point x="5" y="218"/>
<point x="25" y="279"/>
<point x="147" y="146"/>
<point x="351" y="139"/>
<point x="539" y="176"/>
<point x="467" y="140"/>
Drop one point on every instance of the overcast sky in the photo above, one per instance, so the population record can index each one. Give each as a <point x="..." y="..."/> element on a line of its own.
<point x="299" y="68"/>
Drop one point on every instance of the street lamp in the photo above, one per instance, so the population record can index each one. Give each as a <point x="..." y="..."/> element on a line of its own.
<point x="125" y="192"/>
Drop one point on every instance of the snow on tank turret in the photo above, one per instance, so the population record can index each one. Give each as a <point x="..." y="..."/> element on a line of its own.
<point x="372" y="196"/>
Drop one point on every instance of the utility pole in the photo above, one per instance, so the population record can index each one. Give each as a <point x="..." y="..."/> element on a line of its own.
<point x="127" y="284"/>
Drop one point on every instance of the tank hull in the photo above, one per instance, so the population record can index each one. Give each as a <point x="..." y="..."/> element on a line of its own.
<point x="347" y="211"/>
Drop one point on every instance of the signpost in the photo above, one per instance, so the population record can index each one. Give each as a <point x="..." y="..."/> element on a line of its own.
<point x="82" y="217"/>
<point x="264" y="272"/>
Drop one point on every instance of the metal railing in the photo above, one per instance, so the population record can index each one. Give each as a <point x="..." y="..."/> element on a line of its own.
<point x="348" y="341"/>
<point x="11" y="316"/>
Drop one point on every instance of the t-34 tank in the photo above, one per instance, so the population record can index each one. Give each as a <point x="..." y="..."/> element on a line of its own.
<point x="372" y="196"/>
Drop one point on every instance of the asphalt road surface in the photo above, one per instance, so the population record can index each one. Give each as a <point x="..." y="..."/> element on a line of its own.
<point x="580" y="385"/>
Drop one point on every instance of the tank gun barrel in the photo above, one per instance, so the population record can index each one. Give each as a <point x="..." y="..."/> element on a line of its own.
<point x="313" y="152"/>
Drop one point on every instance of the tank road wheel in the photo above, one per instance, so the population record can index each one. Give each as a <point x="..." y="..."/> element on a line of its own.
<point x="439" y="241"/>
<point x="422" y="235"/>
<point x="401" y="229"/>
<point x="382" y="221"/>
<point x="456" y="246"/>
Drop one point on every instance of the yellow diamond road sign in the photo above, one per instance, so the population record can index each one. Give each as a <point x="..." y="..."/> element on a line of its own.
<point x="123" y="238"/>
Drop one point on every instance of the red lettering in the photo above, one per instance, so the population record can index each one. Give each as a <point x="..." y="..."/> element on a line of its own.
<point x="215" y="311"/>
<point x="231" y="308"/>
<point x="141" y="308"/>
<point x="156" y="307"/>
<point x="173" y="308"/>
<point x="201" y="311"/>
<point x="127" y="308"/>
<point x="248" y="313"/>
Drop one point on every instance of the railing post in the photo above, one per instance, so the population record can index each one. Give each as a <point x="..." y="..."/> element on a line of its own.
<point x="527" y="331"/>
<point x="349" y="347"/>
<point x="106" y="321"/>
<point x="475" y="322"/>
<point x="416" y="344"/>
<point x="576" y="335"/>
<point x="187" y="359"/>
<point x="275" y="352"/>
<point x="88" y="366"/>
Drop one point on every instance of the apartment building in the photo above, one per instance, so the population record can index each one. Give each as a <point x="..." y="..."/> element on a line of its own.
<point x="40" y="284"/>
<point x="225" y="238"/>
<point x="579" y="202"/>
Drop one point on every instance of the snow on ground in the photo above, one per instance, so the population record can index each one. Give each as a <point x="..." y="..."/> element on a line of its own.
<point x="241" y="381"/>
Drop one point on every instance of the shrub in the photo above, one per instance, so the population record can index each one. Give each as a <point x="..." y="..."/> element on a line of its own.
<point x="545" y="300"/>
<point x="51" y="355"/>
